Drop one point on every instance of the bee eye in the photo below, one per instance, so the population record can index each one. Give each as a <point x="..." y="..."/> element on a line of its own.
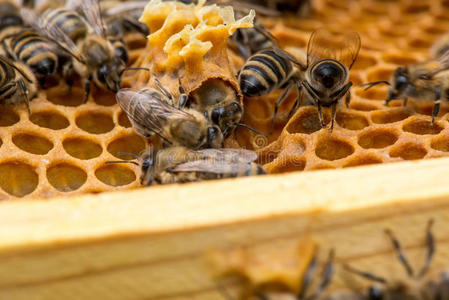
<point x="217" y="114"/>
<point x="375" y="293"/>
<point x="401" y="81"/>
<point x="122" y="54"/>
<point x="328" y="74"/>
<point x="102" y="73"/>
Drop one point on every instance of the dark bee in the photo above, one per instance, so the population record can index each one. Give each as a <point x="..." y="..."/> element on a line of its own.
<point x="17" y="83"/>
<point x="95" y="57"/>
<point x="182" y="165"/>
<point x="9" y="14"/>
<point x="123" y="17"/>
<point x="329" y="59"/>
<point x="268" y="70"/>
<point x="153" y="112"/>
<point x="418" y="286"/>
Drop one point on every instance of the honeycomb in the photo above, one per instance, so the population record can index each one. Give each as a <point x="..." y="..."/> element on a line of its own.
<point x="61" y="149"/>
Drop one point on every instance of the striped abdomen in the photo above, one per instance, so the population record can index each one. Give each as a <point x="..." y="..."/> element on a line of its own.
<point x="264" y="72"/>
<point x="8" y="86"/>
<point x="35" y="51"/>
<point x="71" y="23"/>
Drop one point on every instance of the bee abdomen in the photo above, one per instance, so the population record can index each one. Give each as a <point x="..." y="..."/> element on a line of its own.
<point x="68" y="21"/>
<point x="263" y="72"/>
<point x="7" y="75"/>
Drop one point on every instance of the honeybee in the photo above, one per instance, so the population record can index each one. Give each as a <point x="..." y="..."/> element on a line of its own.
<point x="95" y="57"/>
<point x="426" y="80"/>
<point x="17" y="83"/>
<point x="271" y="69"/>
<point x="303" y="294"/>
<point x="9" y="14"/>
<point x="123" y="17"/>
<point x="329" y="59"/>
<point x="153" y="112"/>
<point x="182" y="165"/>
<point x="417" y="286"/>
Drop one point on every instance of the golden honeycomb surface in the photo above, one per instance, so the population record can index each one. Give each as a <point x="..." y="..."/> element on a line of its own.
<point x="61" y="149"/>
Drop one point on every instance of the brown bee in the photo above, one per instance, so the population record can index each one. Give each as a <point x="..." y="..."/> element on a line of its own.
<point x="17" y="83"/>
<point x="182" y="165"/>
<point x="418" y="286"/>
<point x="9" y="14"/>
<point x="329" y="59"/>
<point x="154" y="112"/>
<point x="123" y="17"/>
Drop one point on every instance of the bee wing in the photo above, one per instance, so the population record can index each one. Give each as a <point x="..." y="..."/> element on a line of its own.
<point x="52" y="33"/>
<point x="288" y="56"/>
<point x="210" y="166"/>
<point x="148" y="109"/>
<point x="342" y="47"/>
<point x="92" y="12"/>
<point x="228" y="154"/>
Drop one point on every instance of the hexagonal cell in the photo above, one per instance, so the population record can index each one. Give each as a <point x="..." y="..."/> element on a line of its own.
<point x="362" y="161"/>
<point x="8" y="117"/>
<point x="115" y="175"/>
<point x="399" y="58"/>
<point x="427" y="109"/>
<point x="381" y="73"/>
<point x="364" y="61"/>
<point x="440" y="143"/>
<point x="408" y="151"/>
<point x="50" y="119"/>
<point x="17" y="178"/>
<point x="362" y="106"/>
<point x="60" y="96"/>
<point x="65" y="177"/>
<point x="306" y="121"/>
<point x="123" y="120"/>
<point x="285" y="164"/>
<point x="102" y="97"/>
<point x="356" y="78"/>
<point x="378" y="138"/>
<point x="82" y="148"/>
<point x="258" y="108"/>
<point x="132" y="144"/>
<point x="420" y="42"/>
<point x="421" y="127"/>
<point x="331" y="148"/>
<point x="390" y="115"/>
<point x="351" y="121"/>
<point x="416" y="7"/>
<point x="32" y="143"/>
<point x="375" y="93"/>
<point x="95" y="123"/>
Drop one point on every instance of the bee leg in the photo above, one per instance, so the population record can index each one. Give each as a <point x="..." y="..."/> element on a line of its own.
<point x="87" y="89"/>
<point x="430" y="241"/>
<point x="389" y="98"/>
<point x="401" y="256"/>
<point x="24" y="89"/>
<point x="307" y="278"/>
<point x="366" y="275"/>
<point x="320" y="115"/>
<point x="327" y="275"/>
<point x="278" y="103"/>
<point x="334" y="113"/>
<point x="404" y="101"/>
<point x="298" y="101"/>
<point x="436" y="105"/>
<point x="348" y="99"/>
<point x="182" y="96"/>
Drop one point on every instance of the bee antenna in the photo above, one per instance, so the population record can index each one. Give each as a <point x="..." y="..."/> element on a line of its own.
<point x="132" y="68"/>
<point x="369" y="276"/>
<point x="128" y="154"/>
<point x="401" y="255"/>
<point x="121" y="162"/>
<point x="252" y="129"/>
<point x="371" y="84"/>
<point x="430" y="241"/>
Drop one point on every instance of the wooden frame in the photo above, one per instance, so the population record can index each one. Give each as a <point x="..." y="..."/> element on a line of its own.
<point x="154" y="243"/>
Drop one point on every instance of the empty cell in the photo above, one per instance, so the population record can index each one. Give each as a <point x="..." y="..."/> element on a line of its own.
<point x="102" y="97"/>
<point x="364" y="61"/>
<point x="408" y="151"/>
<point x="17" y="178"/>
<point x="440" y="143"/>
<point x="377" y="138"/>
<point x="8" y="117"/>
<point x="306" y="121"/>
<point x="351" y="121"/>
<point x="420" y="42"/>
<point x="375" y="93"/>
<point x="65" y="177"/>
<point x="60" y="96"/>
<point x="32" y="143"/>
<point x="427" y="109"/>
<point x="82" y="148"/>
<point x="421" y="127"/>
<point x="399" y="58"/>
<point x="95" y="123"/>
<point x="362" y="161"/>
<point x="381" y="73"/>
<point x="123" y="120"/>
<point x="390" y="115"/>
<point x="50" y="119"/>
<point x="132" y="144"/>
<point x="330" y="148"/>
<point x="362" y="106"/>
<point x="115" y="175"/>
<point x="259" y="108"/>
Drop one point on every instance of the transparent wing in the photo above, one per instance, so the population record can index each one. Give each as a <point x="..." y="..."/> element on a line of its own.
<point x="228" y="154"/>
<point x="343" y="47"/>
<point x="288" y="56"/>
<point x="92" y="12"/>
<point x="148" y="109"/>
<point x="52" y="33"/>
<point x="128" y="6"/>
<point x="211" y="166"/>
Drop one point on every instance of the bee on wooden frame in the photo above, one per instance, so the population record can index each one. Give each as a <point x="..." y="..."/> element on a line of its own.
<point x="182" y="165"/>
<point x="418" y="285"/>
<point x="153" y="111"/>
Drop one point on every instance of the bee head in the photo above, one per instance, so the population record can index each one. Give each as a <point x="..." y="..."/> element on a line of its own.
<point x="375" y="293"/>
<point x="400" y="81"/>
<point x="329" y="74"/>
<point x="227" y="116"/>
<point x="108" y="74"/>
